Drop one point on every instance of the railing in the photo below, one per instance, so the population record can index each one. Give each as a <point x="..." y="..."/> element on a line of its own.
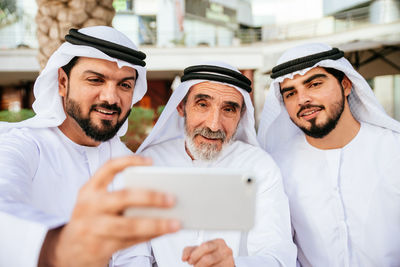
<point x="344" y="21"/>
<point x="23" y="34"/>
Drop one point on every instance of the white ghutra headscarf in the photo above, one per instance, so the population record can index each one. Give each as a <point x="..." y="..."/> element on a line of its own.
<point x="171" y="126"/>
<point x="48" y="104"/>
<point x="276" y="128"/>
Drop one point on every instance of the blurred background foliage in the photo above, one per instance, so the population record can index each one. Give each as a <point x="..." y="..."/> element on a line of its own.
<point x="8" y="12"/>
<point x="140" y="123"/>
<point x="15" y="116"/>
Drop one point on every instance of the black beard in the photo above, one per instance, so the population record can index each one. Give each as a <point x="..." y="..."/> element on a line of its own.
<point x="320" y="131"/>
<point x="101" y="135"/>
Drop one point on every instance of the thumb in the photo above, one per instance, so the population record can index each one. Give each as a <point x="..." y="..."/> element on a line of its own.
<point x="105" y="174"/>
<point x="187" y="251"/>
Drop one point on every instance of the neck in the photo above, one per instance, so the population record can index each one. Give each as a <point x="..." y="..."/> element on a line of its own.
<point x="73" y="131"/>
<point x="346" y="129"/>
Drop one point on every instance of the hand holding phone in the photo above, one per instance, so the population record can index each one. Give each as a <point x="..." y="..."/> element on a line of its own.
<point x="206" y="198"/>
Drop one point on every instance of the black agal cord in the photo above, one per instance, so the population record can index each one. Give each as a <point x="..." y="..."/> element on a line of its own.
<point x="112" y="49"/>
<point x="218" y="74"/>
<point x="305" y="62"/>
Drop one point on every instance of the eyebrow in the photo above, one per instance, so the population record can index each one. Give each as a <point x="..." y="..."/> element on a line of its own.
<point x="104" y="76"/>
<point x="315" y="76"/>
<point x="285" y="89"/>
<point x="202" y="96"/>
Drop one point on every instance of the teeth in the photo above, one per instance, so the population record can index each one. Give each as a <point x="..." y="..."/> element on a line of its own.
<point x="105" y="112"/>
<point x="309" y="113"/>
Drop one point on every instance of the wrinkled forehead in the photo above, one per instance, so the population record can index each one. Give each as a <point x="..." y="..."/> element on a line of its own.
<point x="216" y="90"/>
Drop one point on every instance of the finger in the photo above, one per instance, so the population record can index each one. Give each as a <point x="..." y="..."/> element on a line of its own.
<point x="222" y="256"/>
<point x="202" y="250"/>
<point x="211" y="259"/>
<point x="106" y="173"/>
<point x="118" y="201"/>
<point x="187" y="251"/>
<point x="129" y="228"/>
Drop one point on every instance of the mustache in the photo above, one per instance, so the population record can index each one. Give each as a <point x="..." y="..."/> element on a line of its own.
<point x="303" y="107"/>
<point x="208" y="133"/>
<point x="113" y="107"/>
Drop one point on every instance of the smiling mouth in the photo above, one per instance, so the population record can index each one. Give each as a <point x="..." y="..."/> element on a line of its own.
<point x="210" y="139"/>
<point x="105" y="112"/>
<point x="309" y="113"/>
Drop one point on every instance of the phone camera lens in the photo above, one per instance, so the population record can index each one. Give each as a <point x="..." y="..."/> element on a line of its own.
<point x="249" y="180"/>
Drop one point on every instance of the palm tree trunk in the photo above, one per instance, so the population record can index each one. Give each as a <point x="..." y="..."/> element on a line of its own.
<point x="56" y="17"/>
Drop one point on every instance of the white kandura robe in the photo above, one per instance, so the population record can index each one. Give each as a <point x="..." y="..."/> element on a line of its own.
<point x="41" y="172"/>
<point x="345" y="203"/>
<point x="269" y="243"/>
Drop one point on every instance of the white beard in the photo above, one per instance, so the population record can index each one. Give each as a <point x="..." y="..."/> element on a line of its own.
<point x="205" y="152"/>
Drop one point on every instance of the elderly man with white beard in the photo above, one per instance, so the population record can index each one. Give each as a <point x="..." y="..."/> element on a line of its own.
<point x="209" y="122"/>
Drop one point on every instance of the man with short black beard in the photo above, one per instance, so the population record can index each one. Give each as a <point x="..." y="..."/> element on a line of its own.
<point x="209" y="122"/>
<point x="339" y="153"/>
<point x="59" y="202"/>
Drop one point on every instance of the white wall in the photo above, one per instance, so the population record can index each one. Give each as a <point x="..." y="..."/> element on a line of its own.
<point x="23" y="31"/>
<point x="331" y="6"/>
<point x="384" y="91"/>
<point x="197" y="32"/>
<point x="167" y="23"/>
<point x="146" y="7"/>
<point x="244" y="12"/>
<point x="127" y="24"/>
<point x="285" y="11"/>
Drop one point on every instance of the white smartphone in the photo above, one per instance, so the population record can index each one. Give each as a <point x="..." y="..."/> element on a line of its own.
<point x="206" y="198"/>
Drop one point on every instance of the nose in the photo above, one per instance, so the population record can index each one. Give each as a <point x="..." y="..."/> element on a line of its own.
<point x="213" y="120"/>
<point x="109" y="93"/>
<point x="303" y="97"/>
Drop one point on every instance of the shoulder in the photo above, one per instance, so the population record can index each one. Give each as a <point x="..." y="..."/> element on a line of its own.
<point x="383" y="143"/>
<point x="21" y="136"/>
<point x="253" y="157"/>
<point x="250" y="152"/>
<point x="377" y="130"/>
<point x="20" y="149"/>
<point x="29" y="140"/>
<point x="379" y="138"/>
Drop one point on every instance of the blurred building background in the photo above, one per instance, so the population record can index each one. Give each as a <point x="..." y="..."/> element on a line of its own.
<point x="249" y="34"/>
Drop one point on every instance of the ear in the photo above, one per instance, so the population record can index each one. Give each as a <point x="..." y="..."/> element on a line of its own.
<point x="62" y="82"/>
<point x="180" y="108"/>
<point x="347" y="85"/>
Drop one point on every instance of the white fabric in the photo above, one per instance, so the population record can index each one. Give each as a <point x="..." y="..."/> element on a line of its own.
<point x="41" y="172"/>
<point x="276" y="128"/>
<point x="269" y="243"/>
<point x="170" y="125"/>
<point x="48" y="105"/>
<point x="345" y="203"/>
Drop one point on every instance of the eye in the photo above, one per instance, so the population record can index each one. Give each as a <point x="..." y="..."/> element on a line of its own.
<point x="230" y="109"/>
<point x="315" y="84"/>
<point x="201" y="104"/>
<point x="288" y="95"/>
<point x="95" y="80"/>
<point x="126" y="85"/>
